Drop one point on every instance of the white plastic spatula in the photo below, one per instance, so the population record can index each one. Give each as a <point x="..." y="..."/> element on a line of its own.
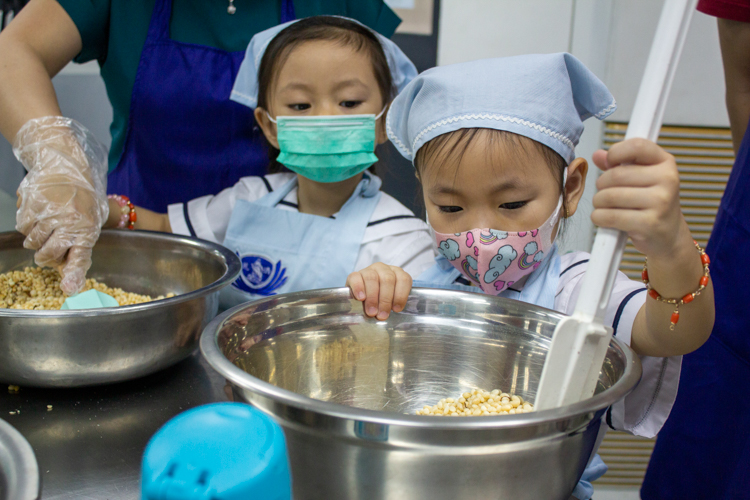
<point x="579" y="344"/>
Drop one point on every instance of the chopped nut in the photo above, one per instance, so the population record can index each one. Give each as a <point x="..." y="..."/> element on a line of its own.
<point x="479" y="402"/>
<point x="39" y="288"/>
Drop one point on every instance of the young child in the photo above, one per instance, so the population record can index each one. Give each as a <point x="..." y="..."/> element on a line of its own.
<point x="319" y="87"/>
<point x="493" y="143"/>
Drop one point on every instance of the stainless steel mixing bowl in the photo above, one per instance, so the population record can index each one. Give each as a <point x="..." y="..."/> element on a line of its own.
<point x="98" y="346"/>
<point x="345" y="389"/>
<point x="19" y="472"/>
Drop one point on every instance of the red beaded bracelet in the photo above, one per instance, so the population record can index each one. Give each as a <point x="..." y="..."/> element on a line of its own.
<point x="687" y="298"/>
<point x="128" y="217"/>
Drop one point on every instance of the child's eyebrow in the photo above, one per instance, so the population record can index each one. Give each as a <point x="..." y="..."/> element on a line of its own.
<point x="444" y="190"/>
<point x="353" y="82"/>
<point x="295" y="86"/>
<point x="500" y="186"/>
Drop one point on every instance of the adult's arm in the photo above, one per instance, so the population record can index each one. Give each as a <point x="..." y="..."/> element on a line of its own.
<point x="734" y="37"/>
<point x="34" y="47"/>
<point x="62" y="199"/>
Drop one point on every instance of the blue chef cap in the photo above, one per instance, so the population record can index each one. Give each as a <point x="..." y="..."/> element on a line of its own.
<point x="544" y="97"/>
<point x="245" y="90"/>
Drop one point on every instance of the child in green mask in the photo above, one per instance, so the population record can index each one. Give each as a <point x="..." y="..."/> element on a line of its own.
<point x="318" y="88"/>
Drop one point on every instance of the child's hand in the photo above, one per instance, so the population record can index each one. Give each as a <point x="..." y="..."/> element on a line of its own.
<point x="382" y="288"/>
<point x="639" y="193"/>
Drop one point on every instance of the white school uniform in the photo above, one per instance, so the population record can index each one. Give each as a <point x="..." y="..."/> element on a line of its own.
<point x="394" y="235"/>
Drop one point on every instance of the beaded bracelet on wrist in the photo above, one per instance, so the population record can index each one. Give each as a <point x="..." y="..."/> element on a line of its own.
<point x="687" y="298"/>
<point x="128" y="216"/>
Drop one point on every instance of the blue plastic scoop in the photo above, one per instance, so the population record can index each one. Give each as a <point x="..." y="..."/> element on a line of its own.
<point x="91" y="299"/>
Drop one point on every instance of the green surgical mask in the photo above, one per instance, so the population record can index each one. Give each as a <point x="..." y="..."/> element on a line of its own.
<point x="327" y="148"/>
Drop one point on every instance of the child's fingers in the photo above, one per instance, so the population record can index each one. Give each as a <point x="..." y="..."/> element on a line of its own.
<point x="626" y="197"/>
<point x="629" y="221"/>
<point x="357" y="286"/>
<point x="632" y="175"/>
<point x="600" y="159"/>
<point x="387" y="290"/>
<point x="372" y="290"/>
<point x="403" y="288"/>
<point x="636" y="151"/>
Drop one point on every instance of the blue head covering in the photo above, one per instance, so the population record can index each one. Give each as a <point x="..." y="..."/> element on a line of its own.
<point x="544" y="97"/>
<point x="245" y="90"/>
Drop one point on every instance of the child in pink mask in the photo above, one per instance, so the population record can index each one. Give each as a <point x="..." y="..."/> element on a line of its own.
<point x="492" y="143"/>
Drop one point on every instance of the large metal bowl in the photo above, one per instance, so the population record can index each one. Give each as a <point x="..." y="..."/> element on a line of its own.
<point x="345" y="389"/>
<point x="98" y="346"/>
<point x="19" y="472"/>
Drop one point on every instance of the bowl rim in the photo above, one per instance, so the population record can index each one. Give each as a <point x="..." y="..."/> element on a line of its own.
<point x="232" y="267"/>
<point x="20" y="451"/>
<point x="212" y="354"/>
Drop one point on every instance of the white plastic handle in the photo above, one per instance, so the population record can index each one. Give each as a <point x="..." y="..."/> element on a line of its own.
<point x="579" y="344"/>
<point x="645" y="122"/>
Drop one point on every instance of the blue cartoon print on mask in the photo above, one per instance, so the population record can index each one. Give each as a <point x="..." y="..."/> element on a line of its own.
<point x="500" y="263"/>
<point x="259" y="275"/>
<point x="469" y="266"/>
<point x="491" y="237"/>
<point x="449" y="249"/>
<point x="530" y="256"/>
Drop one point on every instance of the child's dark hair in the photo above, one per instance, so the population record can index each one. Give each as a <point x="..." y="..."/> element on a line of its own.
<point x="455" y="144"/>
<point x="321" y="28"/>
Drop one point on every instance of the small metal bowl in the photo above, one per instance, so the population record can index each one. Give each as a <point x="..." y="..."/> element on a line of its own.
<point x="345" y="389"/>
<point x="99" y="346"/>
<point x="19" y="472"/>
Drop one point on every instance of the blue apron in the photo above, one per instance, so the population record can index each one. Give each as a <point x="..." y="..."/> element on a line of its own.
<point x="703" y="451"/>
<point x="284" y="251"/>
<point x="540" y="289"/>
<point x="185" y="138"/>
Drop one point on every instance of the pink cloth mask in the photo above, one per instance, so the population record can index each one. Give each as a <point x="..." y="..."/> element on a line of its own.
<point x="494" y="259"/>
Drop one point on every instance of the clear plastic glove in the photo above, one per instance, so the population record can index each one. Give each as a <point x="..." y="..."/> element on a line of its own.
<point x="63" y="198"/>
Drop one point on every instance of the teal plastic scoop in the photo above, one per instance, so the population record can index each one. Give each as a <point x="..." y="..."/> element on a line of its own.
<point x="91" y="299"/>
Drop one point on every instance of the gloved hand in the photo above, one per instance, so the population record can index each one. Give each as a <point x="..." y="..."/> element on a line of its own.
<point x="62" y="200"/>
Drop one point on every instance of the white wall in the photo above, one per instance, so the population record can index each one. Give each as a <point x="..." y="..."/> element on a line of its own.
<point x="697" y="96"/>
<point x="477" y="29"/>
<point x="613" y="38"/>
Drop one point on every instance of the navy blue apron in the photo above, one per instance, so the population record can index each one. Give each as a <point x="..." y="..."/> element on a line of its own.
<point x="185" y="138"/>
<point x="703" y="451"/>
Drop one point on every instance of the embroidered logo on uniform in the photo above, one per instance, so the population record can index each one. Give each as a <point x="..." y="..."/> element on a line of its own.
<point x="259" y="275"/>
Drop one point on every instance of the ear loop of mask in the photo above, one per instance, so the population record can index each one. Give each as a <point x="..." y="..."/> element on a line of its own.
<point x="555" y="217"/>
<point x="377" y="117"/>
<point x="556" y="214"/>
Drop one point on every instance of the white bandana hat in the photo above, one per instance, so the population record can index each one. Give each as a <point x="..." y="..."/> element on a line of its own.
<point x="245" y="90"/>
<point x="545" y="97"/>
